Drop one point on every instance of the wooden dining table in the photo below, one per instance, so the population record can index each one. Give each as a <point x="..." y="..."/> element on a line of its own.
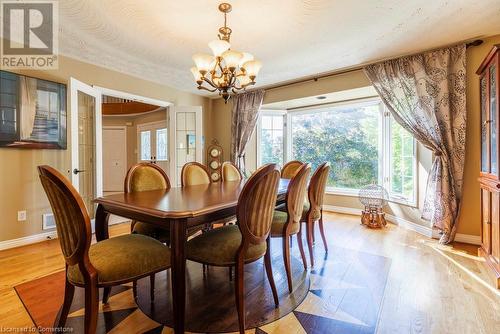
<point x="177" y="209"/>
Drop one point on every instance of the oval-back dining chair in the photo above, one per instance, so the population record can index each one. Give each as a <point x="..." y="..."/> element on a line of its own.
<point x="290" y="169"/>
<point x="106" y="263"/>
<point x="230" y="172"/>
<point x="287" y="223"/>
<point x="313" y="208"/>
<point x="147" y="176"/>
<point x="246" y="242"/>
<point x="193" y="173"/>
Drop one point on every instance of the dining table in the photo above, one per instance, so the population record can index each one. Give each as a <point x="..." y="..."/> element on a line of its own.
<point x="179" y="209"/>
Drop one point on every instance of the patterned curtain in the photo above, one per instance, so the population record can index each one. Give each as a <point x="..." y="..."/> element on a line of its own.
<point x="244" y="116"/>
<point x="426" y="95"/>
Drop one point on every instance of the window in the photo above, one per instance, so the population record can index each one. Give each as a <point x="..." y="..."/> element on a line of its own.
<point x="146" y="145"/>
<point x="401" y="175"/>
<point x="271" y="138"/>
<point x="347" y="136"/>
<point x="360" y="139"/>
<point x="161" y="144"/>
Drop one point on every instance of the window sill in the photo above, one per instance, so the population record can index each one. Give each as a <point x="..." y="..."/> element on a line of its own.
<point x="355" y="193"/>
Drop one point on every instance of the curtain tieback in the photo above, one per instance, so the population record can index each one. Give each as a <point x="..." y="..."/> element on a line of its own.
<point x="438" y="154"/>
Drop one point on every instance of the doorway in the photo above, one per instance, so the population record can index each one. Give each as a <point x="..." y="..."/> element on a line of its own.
<point x="152" y="139"/>
<point x="86" y="142"/>
<point x="114" y="165"/>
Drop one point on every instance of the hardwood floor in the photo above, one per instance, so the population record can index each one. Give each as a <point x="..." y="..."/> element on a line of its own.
<point x="430" y="288"/>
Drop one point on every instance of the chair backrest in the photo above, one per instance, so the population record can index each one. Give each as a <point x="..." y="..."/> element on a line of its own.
<point x="70" y="214"/>
<point x="230" y="172"/>
<point x="317" y="186"/>
<point x="256" y="204"/>
<point x="290" y="169"/>
<point x="146" y="176"/>
<point x="194" y="173"/>
<point x="295" y="194"/>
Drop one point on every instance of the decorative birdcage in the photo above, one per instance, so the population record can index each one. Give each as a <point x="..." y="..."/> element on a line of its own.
<point x="374" y="198"/>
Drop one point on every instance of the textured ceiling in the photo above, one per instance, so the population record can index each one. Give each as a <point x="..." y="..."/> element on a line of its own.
<point x="155" y="39"/>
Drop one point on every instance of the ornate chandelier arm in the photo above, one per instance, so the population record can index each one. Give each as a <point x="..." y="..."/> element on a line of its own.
<point x="205" y="88"/>
<point x="210" y="82"/>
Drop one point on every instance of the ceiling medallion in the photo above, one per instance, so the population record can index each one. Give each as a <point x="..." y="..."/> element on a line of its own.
<point x="227" y="71"/>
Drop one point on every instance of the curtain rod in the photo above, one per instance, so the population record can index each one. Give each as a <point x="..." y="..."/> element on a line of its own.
<point x="348" y="70"/>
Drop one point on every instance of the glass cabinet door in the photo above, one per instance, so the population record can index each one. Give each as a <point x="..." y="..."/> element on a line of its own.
<point x="494" y="120"/>
<point x="484" y="126"/>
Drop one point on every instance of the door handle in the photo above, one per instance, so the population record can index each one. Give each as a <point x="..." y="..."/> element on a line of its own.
<point x="76" y="171"/>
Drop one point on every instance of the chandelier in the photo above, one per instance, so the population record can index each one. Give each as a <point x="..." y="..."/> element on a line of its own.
<point x="227" y="71"/>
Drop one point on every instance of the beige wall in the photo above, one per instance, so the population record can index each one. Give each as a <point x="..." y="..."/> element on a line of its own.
<point x="469" y="220"/>
<point x="19" y="183"/>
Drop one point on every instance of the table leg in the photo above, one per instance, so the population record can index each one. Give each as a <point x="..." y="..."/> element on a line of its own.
<point x="178" y="277"/>
<point x="101" y="223"/>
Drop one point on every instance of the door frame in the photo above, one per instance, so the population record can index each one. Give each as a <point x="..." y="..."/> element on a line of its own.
<point x="117" y="127"/>
<point x="127" y="96"/>
<point x="76" y="86"/>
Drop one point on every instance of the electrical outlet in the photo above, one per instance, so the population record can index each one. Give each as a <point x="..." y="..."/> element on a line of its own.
<point x="21" y="216"/>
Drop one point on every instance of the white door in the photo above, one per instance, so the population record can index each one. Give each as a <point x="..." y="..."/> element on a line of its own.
<point x="86" y="142"/>
<point x="114" y="163"/>
<point x="186" y="132"/>
<point x="152" y="144"/>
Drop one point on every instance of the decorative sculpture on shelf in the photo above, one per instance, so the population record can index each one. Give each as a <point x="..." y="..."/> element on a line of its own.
<point x="374" y="198"/>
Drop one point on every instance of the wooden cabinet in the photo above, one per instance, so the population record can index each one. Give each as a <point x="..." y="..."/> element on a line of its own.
<point x="489" y="175"/>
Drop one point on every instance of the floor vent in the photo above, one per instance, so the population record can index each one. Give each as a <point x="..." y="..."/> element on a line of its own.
<point x="48" y="221"/>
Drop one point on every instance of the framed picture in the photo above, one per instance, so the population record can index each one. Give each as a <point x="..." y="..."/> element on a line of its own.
<point x="32" y="112"/>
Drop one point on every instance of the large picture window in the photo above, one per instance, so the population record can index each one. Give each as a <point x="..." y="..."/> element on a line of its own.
<point x="347" y="136"/>
<point x="362" y="142"/>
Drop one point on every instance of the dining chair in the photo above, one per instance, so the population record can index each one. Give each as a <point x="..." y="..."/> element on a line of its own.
<point x="313" y="207"/>
<point x="246" y="242"/>
<point x="146" y="176"/>
<point x="230" y="172"/>
<point x="107" y="263"/>
<point x="287" y="224"/>
<point x="290" y="169"/>
<point x="193" y="173"/>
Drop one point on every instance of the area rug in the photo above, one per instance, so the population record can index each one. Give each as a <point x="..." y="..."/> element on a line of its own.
<point x="345" y="296"/>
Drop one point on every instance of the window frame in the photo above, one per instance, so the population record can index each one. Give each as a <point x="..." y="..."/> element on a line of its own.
<point x="384" y="144"/>
<point x="395" y="197"/>
<point x="258" y="136"/>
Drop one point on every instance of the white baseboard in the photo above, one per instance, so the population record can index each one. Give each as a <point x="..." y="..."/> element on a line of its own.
<point x="342" y="209"/>
<point x="468" y="239"/>
<point x="424" y="230"/>
<point x="32" y="239"/>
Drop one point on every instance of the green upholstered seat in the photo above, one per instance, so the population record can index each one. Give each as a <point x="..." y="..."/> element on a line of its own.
<point x="152" y="231"/>
<point x="218" y="247"/>
<point x="279" y="221"/>
<point x="124" y="258"/>
<point x="315" y="215"/>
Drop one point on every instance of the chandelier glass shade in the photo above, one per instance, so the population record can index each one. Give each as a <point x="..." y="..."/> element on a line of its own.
<point x="227" y="71"/>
